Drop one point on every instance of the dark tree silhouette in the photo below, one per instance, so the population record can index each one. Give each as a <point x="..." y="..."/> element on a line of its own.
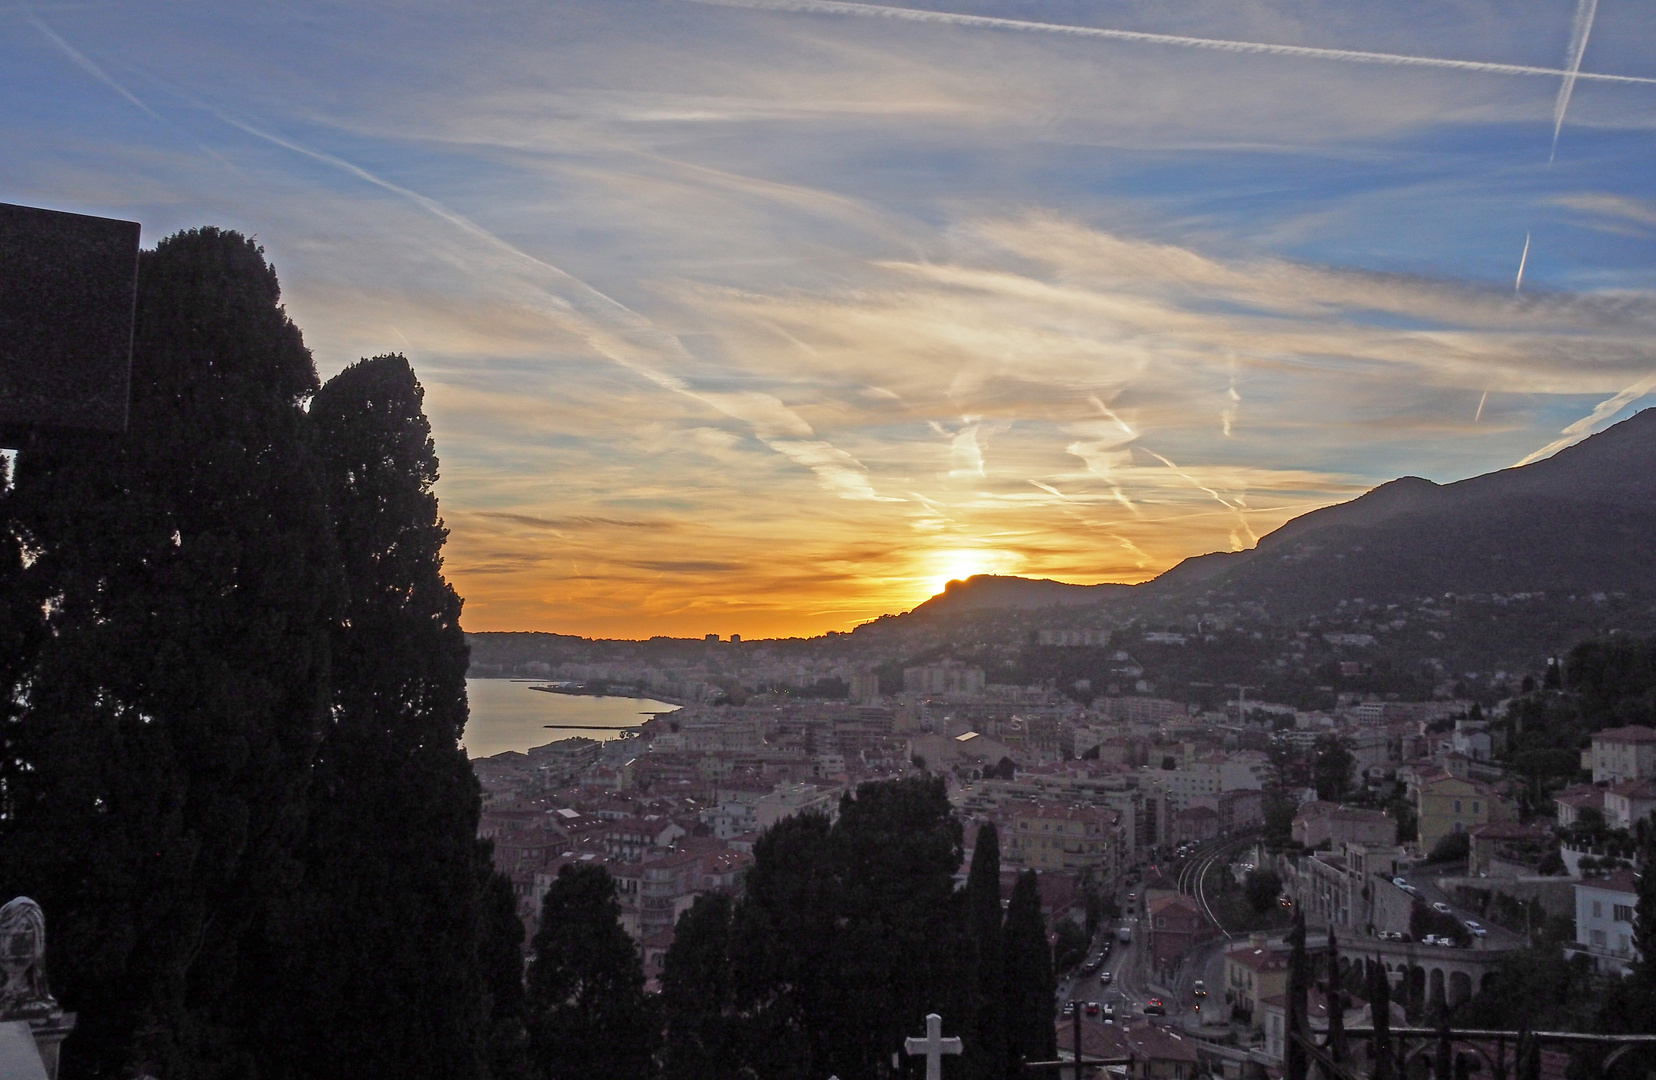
<point x="387" y="935"/>
<point x="176" y="614"/>
<point x="1030" y="982"/>
<point x="986" y="1049"/>
<point x="698" y="993"/>
<point x="587" y="1012"/>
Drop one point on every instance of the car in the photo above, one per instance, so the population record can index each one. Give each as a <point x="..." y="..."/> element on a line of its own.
<point x="1199" y="988"/>
<point x="1104" y="978"/>
<point x="1109" y="1011"/>
<point x="1429" y="939"/>
<point x="1390" y="935"/>
<point x="1131" y="897"/>
<point x="1069" y="1009"/>
<point x="1410" y="889"/>
<point x="1476" y="928"/>
<point x="1154" y="1007"/>
<point x="1092" y="1008"/>
<point x="1441" y="908"/>
<point x="1401" y="883"/>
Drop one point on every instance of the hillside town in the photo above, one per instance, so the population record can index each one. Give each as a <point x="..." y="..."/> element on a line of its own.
<point x="1392" y="825"/>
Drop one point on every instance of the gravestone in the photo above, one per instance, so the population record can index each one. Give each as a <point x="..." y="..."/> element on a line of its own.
<point x="933" y="1046"/>
<point x="68" y="284"/>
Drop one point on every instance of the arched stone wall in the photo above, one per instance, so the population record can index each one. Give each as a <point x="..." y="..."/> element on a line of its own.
<point x="1460" y="987"/>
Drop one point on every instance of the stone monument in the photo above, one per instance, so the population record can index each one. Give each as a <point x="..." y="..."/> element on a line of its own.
<point x="32" y="1025"/>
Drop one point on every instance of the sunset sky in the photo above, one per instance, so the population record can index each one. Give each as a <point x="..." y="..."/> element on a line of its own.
<point x="770" y="317"/>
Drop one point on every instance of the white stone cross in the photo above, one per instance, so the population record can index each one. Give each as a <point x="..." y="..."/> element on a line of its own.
<point x="934" y="1046"/>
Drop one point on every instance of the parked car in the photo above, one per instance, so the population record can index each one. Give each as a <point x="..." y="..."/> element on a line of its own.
<point x="1109" y="1011"/>
<point x="1441" y="908"/>
<point x="1401" y="883"/>
<point x="1476" y="928"/>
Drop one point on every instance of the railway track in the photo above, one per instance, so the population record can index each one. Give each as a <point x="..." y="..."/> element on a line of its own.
<point x="1193" y="875"/>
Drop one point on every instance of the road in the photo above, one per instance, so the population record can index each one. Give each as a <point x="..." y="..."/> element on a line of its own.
<point x="1424" y="881"/>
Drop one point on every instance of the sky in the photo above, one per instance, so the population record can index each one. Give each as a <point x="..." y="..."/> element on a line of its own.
<point x="769" y="317"/>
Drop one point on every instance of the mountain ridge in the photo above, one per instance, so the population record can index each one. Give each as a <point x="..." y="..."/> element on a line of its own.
<point x="1583" y="519"/>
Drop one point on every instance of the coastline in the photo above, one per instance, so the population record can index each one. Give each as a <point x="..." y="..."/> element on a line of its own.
<point x="582" y="690"/>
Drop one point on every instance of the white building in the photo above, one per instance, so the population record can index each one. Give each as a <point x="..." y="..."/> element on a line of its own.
<point x="1604" y="921"/>
<point x="790" y="799"/>
<point x="1624" y="753"/>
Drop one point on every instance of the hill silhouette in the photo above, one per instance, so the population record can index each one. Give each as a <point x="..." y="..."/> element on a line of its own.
<point x="1581" y="521"/>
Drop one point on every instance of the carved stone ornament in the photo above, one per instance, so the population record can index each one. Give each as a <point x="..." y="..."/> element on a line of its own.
<point x="23" y="961"/>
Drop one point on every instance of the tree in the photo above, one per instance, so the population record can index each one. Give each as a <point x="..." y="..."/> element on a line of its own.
<point x="986" y="1049"/>
<point x="176" y="614"/>
<point x="1261" y="888"/>
<point x="1452" y="847"/>
<point x="1332" y="768"/>
<point x="587" y="1014"/>
<point x="1069" y="946"/>
<point x="500" y="963"/>
<point x="386" y="939"/>
<point x="1030" y="980"/>
<point x="698" y="993"/>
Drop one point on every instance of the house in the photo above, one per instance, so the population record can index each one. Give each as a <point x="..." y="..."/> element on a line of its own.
<point x="1195" y="824"/>
<point x="1144" y="1050"/>
<point x="1449" y="804"/>
<point x="1352" y="1015"/>
<point x="1571" y="801"/>
<point x="1624" y="753"/>
<point x="1318" y="824"/>
<point x="1505" y="849"/>
<point x="1605" y="908"/>
<point x="1255" y="971"/>
<point x="1629" y="801"/>
<point x="1175" y="924"/>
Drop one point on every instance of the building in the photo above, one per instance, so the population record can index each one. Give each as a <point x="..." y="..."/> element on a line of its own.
<point x="1449" y="804"/>
<point x="1255" y="972"/>
<point x="1320" y="824"/>
<point x="790" y="799"/>
<point x="1146" y="1051"/>
<point x="1624" y="753"/>
<point x="1354" y="1014"/>
<point x="947" y="679"/>
<point x="1628" y="802"/>
<point x="1571" y="801"/>
<point x="1052" y="837"/>
<point x="1194" y="824"/>
<point x="1505" y="849"/>
<point x="1604" y="922"/>
<point x="1175" y="925"/>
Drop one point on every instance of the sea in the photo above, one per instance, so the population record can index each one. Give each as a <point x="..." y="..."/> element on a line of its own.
<point x="507" y="715"/>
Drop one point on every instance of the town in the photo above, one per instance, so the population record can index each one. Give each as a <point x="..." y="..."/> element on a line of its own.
<point x="1172" y="844"/>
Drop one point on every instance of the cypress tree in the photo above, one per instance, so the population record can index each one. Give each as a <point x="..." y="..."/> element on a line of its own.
<point x="781" y="947"/>
<point x="1031" y="984"/>
<point x="986" y="1048"/>
<point x="500" y="957"/>
<point x="586" y="1009"/>
<point x="900" y="950"/>
<point x="176" y="612"/>
<point x="386" y="969"/>
<point x="698" y="993"/>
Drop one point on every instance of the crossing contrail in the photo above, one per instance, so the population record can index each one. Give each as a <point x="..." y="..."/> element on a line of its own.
<point x="1354" y="56"/>
<point x="1580" y="27"/>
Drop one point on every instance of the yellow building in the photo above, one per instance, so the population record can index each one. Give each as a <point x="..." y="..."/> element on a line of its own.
<point x="1255" y="971"/>
<point x="1050" y="837"/>
<point x="1448" y="804"/>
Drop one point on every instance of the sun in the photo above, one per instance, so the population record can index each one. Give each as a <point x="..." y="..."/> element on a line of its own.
<point x="958" y="564"/>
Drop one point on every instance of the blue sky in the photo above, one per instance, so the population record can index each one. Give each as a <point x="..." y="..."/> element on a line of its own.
<point x="769" y="316"/>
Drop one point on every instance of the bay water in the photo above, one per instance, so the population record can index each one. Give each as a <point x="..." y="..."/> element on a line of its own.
<point x="507" y="715"/>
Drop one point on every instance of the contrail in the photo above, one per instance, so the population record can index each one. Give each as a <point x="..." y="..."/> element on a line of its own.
<point x="1355" y="56"/>
<point x="1580" y="27"/>
<point x="1607" y="408"/>
<point x="84" y="63"/>
<point x="1479" y="414"/>
<point x="601" y="320"/>
<point x="1522" y="259"/>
